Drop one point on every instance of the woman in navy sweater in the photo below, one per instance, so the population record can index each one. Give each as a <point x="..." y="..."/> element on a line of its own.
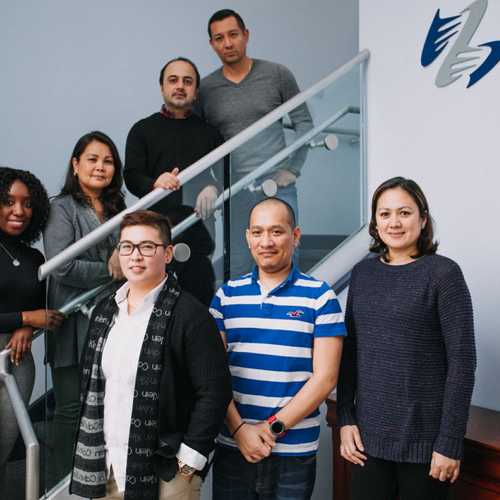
<point x="408" y="365"/>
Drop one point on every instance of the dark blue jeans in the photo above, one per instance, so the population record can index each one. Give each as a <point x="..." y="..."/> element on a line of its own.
<point x="274" y="478"/>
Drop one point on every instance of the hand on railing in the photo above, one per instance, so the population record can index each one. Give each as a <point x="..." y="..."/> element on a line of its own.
<point x="19" y="344"/>
<point x="114" y="268"/>
<point x="168" y="180"/>
<point x="205" y="201"/>
<point x="49" y="319"/>
<point x="284" y="178"/>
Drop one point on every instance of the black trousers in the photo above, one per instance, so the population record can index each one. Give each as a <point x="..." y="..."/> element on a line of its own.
<point x="386" y="480"/>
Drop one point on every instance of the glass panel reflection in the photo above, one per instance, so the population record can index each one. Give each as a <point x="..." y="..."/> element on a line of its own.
<point x="317" y="172"/>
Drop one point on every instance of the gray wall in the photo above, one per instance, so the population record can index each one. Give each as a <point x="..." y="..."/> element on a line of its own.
<point x="70" y="67"/>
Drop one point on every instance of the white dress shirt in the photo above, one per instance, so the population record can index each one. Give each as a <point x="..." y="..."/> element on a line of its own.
<point x="120" y="358"/>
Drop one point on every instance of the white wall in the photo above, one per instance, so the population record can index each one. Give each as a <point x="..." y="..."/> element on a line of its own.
<point x="447" y="140"/>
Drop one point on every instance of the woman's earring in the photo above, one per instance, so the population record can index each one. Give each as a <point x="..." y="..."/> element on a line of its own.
<point x="75" y="173"/>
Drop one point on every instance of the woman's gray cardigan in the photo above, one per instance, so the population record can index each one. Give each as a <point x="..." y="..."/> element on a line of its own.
<point x="68" y="222"/>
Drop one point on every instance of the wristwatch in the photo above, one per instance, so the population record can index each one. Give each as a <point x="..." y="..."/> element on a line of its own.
<point x="185" y="469"/>
<point x="277" y="427"/>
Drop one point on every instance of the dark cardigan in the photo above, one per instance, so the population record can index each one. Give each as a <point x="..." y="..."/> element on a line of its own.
<point x="407" y="370"/>
<point x="195" y="384"/>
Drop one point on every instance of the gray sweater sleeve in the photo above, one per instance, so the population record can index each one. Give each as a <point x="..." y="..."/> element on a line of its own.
<point x="60" y="234"/>
<point x="300" y="117"/>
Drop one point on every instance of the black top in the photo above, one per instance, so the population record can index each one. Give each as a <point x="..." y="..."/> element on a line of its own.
<point x="407" y="370"/>
<point x="20" y="289"/>
<point x="157" y="144"/>
<point x="195" y="382"/>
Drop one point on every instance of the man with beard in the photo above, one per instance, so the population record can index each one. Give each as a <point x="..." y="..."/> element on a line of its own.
<point x="165" y="143"/>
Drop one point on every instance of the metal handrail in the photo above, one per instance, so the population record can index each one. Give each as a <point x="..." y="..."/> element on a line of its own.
<point x="79" y="301"/>
<point x="330" y="130"/>
<point x="199" y="166"/>
<point x="32" y="483"/>
<point x="265" y="167"/>
<point x="342" y="131"/>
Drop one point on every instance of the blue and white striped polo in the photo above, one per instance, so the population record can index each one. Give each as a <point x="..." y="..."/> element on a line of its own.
<point x="270" y="339"/>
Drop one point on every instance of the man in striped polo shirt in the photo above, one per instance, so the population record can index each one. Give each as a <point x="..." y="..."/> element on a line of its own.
<point x="283" y="331"/>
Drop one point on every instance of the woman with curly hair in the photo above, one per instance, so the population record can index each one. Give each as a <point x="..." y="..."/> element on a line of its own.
<point x="91" y="195"/>
<point x="407" y="369"/>
<point x="24" y="208"/>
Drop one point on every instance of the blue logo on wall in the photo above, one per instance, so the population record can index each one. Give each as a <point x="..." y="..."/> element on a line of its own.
<point x="461" y="57"/>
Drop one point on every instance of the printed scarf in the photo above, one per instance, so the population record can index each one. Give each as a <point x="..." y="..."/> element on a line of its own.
<point x="89" y="468"/>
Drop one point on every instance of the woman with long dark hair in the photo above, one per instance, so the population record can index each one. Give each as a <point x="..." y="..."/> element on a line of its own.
<point x="407" y="370"/>
<point x="24" y="208"/>
<point x="91" y="195"/>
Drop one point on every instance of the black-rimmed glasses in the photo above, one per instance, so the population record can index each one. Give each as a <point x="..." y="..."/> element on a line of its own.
<point x="146" y="248"/>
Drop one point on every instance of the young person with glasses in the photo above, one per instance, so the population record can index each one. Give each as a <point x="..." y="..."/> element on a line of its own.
<point x="155" y="384"/>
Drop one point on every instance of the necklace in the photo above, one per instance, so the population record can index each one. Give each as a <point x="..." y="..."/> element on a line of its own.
<point x="15" y="262"/>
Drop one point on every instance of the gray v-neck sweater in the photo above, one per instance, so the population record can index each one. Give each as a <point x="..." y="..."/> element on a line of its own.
<point x="231" y="107"/>
<point x="407" y="370"/>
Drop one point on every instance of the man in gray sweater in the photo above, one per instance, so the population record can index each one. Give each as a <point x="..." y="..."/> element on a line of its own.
<point x="233" y="97"/>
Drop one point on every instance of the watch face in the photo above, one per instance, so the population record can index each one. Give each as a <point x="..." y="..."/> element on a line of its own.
<point x="277" y="427"/>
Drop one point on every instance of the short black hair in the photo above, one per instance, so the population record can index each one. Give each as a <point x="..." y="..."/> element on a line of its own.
<point x="290" y="212"/>
<point x="183" y="59"/>
<point x="224" y="14"/>
<point x="38" y="197"/>
<point x="426" y="245"/>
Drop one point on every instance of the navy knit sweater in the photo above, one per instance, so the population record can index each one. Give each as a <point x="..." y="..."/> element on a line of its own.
<point x="407" y="370"/>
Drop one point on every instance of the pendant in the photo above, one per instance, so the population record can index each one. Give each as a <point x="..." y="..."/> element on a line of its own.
<point x="16" y="263"/>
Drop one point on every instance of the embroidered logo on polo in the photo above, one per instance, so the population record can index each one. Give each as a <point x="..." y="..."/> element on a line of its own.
<point x="295" y="314"/>
<point x="462" y="57"/>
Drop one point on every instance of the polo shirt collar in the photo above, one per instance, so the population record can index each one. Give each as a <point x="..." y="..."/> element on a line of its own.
<point x="290" y="279"/>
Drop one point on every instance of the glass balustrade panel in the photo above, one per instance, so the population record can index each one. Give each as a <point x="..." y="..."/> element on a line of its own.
<point x="322" y="180"/>
<point x="312" y="159"/>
